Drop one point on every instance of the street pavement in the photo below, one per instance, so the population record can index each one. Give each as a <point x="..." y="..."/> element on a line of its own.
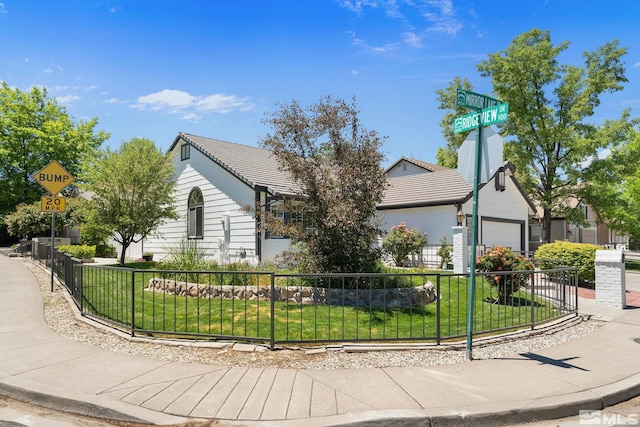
<point x="39" y="366"/>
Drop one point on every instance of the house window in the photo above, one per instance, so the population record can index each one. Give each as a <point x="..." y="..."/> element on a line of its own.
<point x="195" y="217"/>
<point x="277" y="213"/>
<point x="295" y="213"/>
<point x="300" y="216"/>
<point x="185" y="151"/>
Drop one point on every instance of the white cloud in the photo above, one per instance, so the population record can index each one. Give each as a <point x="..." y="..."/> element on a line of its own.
<point x="3" y="10"/>
<point x="165" y="98"/>
<point x="412" y="39"/>
<point x="52" y="68"/>
<point x="113" y="101"/>
<point x="358" y="42"/>
<point x="187" y="106"/>
<point x="221" y="103"/>
<point x="67" y="99"/>
<point x="191" y="117"/>
<point x="442" y="17"/>
<point x="637" y="64"/>
<point x="356" y="5"/>
<point x="418" y="17"/>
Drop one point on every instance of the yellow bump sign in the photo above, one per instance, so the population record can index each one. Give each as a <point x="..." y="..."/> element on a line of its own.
<point x="53" y="177"/>
<point x="53" y="204"/>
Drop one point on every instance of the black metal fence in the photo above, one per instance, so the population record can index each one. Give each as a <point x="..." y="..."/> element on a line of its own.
<point x="275" y="308"/>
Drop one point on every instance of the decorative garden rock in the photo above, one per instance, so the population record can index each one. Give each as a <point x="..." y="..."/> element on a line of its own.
<point x="390" y="297"/>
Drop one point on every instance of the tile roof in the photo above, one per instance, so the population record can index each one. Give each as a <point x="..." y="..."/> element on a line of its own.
<point x="440" y="187"/>
<point x="258" y="167"/>
<point x="253" y="165"/>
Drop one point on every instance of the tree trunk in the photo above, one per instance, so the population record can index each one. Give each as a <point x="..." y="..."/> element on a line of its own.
<point x="125" y="246"/>
<point x="546" y="226"/>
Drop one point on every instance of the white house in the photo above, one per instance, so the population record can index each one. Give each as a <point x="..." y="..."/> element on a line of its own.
<point x="218" y="180"/>
<point x="428" y="197"/>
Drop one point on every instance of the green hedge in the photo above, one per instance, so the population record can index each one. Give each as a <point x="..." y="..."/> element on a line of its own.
<point x="579" y="255"/>
<point x="79" y="251"/>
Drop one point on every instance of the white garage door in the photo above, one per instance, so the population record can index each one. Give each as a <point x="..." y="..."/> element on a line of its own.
<point x="496" y="233"/>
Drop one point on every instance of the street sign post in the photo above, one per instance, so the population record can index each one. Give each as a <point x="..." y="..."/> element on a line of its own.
<point x="491" y="111"/>
<point x="54" y="178"/>
<point x="474" y="101"/>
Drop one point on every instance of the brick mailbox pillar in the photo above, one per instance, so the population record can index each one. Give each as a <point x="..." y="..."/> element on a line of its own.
<point x="610" y="283"/>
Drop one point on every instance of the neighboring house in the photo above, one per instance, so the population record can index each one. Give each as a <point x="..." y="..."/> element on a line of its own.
<point x="595" y="231"/>
<point x="217" y="180"/>
<point x="428" y="197"/>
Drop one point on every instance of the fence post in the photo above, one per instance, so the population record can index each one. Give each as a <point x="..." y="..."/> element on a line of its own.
<point x="533" y="301"/>
<point x="438" y="326"/>
<point x="133" y="302"/>
<point x="272" y="300"/>
<point x="575" y="286"/>
<point x="80" y="284"/>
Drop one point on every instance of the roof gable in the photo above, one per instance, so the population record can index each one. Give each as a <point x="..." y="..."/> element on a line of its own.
<point x="252" y="165"/>
<point x="421" y="166"/>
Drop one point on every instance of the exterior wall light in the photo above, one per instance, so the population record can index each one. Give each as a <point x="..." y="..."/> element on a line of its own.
<point x="460" y="217"/>
<point x="500" y="180"/>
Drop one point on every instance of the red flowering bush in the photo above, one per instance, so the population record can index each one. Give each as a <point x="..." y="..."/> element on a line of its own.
<point x="401" y="242"/>
<point x="499" y="259"/>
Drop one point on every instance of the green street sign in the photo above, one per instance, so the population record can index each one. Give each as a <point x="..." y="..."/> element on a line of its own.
<point x="493" y="115"/>
<point x="488" y="116"/>
<point x="474" y="101"/>
<point x="466" y="122"/>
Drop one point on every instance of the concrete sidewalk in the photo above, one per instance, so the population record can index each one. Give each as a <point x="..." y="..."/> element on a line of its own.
<point x="37" y="365"/>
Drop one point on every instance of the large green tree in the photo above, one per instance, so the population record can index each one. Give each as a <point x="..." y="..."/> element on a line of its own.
<point x="132" y="190"/>
<point x="35" y="130"/>
<point x="550" y="104"/>
<point x="615" y="186"/>
<point x="338" y="165"/>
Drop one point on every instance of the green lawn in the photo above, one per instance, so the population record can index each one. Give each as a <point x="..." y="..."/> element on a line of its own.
<point x="108" y="294"/>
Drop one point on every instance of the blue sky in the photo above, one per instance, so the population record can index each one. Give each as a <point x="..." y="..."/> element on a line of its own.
<point x="213" y="68"/>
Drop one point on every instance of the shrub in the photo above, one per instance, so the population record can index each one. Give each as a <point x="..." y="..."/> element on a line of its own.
<point x="401" y="242"/>
<point x="186" y="255"/>
<point x="499" y="259"/>
<point x="579" y="255"/>
<point x="104" y="250"/>
<point x="79" y="251"/>
<point x="444" y="252"/>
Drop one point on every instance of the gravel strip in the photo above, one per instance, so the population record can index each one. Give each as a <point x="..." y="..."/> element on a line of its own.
<point x="59" y="315"/>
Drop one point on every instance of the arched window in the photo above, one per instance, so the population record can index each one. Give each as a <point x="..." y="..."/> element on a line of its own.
<point x="195" y="218"/>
